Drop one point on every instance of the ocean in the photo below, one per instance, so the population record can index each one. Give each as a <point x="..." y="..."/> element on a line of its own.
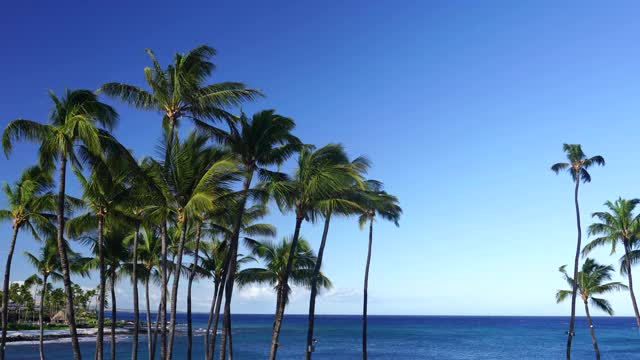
<point x="390" y="337"/>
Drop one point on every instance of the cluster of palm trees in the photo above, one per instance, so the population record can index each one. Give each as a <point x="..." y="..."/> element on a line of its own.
<point x="619" y="225"/>
<point x="145" y="218"/>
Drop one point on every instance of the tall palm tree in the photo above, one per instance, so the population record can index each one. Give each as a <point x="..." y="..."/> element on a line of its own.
<point x="149" y="256"/>
<point x="47" y="263"/>
<point x="116" y="254"/>
<point x="341" y="202"/>
<point x="196" y="177"/>
<point x="375" y="202"/>
<point x="319" y="174"/>
<point x="577" y="166"/>
<point x="222" y="225"/>
<point x="179" y="90"/>
<point x="276" y="271"/>
<point x="193" y="270"/>
<point x="158" y="210"/>
<point x="72" y="121"/>
<point x="106" y="193"/>
<point x="259" y="142"/>
<point x="591" y="281"/>
<point x="618" y="225"/>
<point x="31" y="206"/>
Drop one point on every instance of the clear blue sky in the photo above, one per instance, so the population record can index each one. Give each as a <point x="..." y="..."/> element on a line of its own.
<point x="462" y="106"/>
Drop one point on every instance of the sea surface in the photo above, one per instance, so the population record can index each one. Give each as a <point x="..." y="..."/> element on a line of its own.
<point x="390" y="337"/>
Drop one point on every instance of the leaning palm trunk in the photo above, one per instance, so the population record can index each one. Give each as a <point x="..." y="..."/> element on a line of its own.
<point x="216" y="311"/>
<point x="64" y="261"/>
<point x="574" y="292"/>
<point x="284" y="291"/>
<point x="210" y="321"/>
<point x="149" y="335"/>
<point x="592" y="330"/>
<point x="100" y="334"/>
<point x="41" y="315"/>
<point x="174" y="289"/>
<point x="136" y="308"/>
<point x="627" y="250"/>
<point x="192" y="275"/>
<point x="314" y="287"/>
<point x="365" y="293"/>
<point x="155" y="332"/>
<point x="233" y="266"/>
<point x="5" y="289"/>
<point x="163" y="296"/>
<point x="113" y="315"/>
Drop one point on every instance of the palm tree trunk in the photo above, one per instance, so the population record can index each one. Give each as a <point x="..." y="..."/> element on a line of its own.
<point x="210" y="321"/>
<point x="279" y="313"/>
<point x="627" y="249"/>
<point x="100" y="334"/>
<point x="233" y="264"/>
<point x="136" y="308"/>
<point x="40" y="315"/>
<point x="277" y="324"/>
<point x="149" y="338"/>
<point x="230" y="340"/>
<point x="64" y="261"/>
<point x="155" y="332"/>
<point x="216" y="311"/>
<point x="113" y="314"/>
<point x="163" y="297"/>
<point x="314" y="286"/>
<point x="572" y="322"/>
<point x="593" y="332"/>
<point x="174" y="289"/>
<point x="192" y="275"/>
<point x="365" y="293"/>
<point x="5" y="289"/>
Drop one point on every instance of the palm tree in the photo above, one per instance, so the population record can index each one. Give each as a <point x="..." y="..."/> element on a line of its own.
<point x="72" y="121"/>
<point x="591" y="282"/>
<point x="149" y="257"/>
<point x="276" y="271"/>
<point x="341" y="203"/>
<point x="618" y="225"/>
<point x="196" y="176"/>
<point x="213" y="260"/>
<point x="47" y="263"/>
<point x="577" y="166"/>
<point x="106" y="193"/>
<point x="31" y="206"/>
<point x="259" y="142"/>
<point x="320" y="174"/>
<point x="374" y="202"/>
<point x="179" y="91"/>
<point x="222" y="225"/>
<point x="193" y="270"/>
<point x="116" y="254"/>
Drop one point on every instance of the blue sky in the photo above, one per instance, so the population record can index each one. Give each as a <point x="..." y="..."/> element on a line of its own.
<point x="462" y="106"/>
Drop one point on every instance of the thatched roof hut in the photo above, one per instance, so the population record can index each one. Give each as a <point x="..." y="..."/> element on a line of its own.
<point x="60" y="317"/>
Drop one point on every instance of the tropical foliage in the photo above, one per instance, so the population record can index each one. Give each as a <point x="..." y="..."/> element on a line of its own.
<point x="179" y="214"/>
<point x="591" y="282"/>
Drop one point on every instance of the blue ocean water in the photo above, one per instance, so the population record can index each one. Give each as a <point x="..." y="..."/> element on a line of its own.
<point x="393" y="337"/>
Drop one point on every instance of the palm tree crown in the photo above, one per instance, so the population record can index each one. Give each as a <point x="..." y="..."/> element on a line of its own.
<point x="31" y="203"/>
<point x="592" y="282"/>
<point x="179" y="91"/>
<point x="578" y="163"/>
<point x="275" y="256"/>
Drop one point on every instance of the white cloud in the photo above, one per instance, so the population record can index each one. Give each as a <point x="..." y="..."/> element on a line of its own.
<point x="256" y="292"/>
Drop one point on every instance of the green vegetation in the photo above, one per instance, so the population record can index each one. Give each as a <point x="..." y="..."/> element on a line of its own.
<point x="179" y="214"/>
<point x="591" y="281"/>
